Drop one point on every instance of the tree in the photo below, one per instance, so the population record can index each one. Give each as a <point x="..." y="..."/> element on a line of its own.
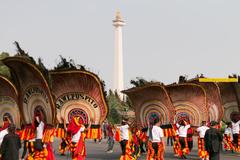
<point x="4" y="70"/>
<point x="4" y="55"/>
<point x="114" y="105"/>
<point x="117" y="108"/>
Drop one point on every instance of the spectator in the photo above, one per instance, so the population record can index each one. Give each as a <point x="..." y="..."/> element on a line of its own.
<point x="213" y="140"/>
<point x="10" y="145"/>
<point x="110" y="134"/>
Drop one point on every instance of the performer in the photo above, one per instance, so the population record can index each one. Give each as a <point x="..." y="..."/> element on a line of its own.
<point x="25" y="142"/>
<point x="182" y="130"/>
<point x="201" y="146"/>
<point x="36" y="148"/>
<point x="235" y="131"/>
<point x="228" y="137"/>
<point x="135" y="142"/>
<point x="157" y="147"/>
<point x="176" y="144"/>
<point x="143" y="139"/>
<point x="62" y="133"/>
<point x="76" y="130"/>
<point x="4" y="128"/>
<point x="212" y="140"/>
<point x="190" y="138"/>
<point x="125" y="141"/>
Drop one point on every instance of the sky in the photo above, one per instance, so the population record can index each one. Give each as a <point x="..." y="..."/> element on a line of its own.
<point x="162" y="39"/>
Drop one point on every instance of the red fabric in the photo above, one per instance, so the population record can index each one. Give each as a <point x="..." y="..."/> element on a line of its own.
<point x="190" y="134"/>
<point x="80" y="152"/>
<point x="110" y="131"/>
<point x="5" y="125"/>
<point x="135" y="140"/>
<point x="74" y="125"/>
<point x="117" y="135"/>
<point x="50" y="155"/>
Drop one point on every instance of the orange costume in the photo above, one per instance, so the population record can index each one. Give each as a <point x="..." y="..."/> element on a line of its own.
<point x="78" y="149"/>
<point x="36" y="147"/>
<point x="201" y="149"/>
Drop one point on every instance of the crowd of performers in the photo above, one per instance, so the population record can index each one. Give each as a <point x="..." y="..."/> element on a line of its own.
<point x="210" y="139"/>
<point x="134" y="139"/>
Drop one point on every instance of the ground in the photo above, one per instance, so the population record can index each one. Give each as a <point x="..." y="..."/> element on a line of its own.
<point x="96" y="151"/>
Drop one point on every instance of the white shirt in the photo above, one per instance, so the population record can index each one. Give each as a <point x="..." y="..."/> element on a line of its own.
<point x="235" y="127"/>
<point x="124" y="132"/>
<point x="157" y="134"/>
<point x="2" y="134"/>
<point x="202" y="130"/>
<point x="228" y="131"/>
<point x="182" y="130"/>
<point x="77" y="136"/>
<point x="40" y="129"/>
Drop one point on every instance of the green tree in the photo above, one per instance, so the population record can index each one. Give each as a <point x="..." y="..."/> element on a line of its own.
<point x="117" y="108"/>
<point x="114" y="105"/>
<point x="4" y="70"/>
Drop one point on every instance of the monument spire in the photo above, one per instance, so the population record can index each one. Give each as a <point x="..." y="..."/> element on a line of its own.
<point x="118" y="23"/>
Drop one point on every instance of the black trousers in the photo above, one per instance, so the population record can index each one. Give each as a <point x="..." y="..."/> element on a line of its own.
<point x="214" y="156"/>
<point x="141" y="147"/>
<point x="235" y="139"/>
<point x="155" y="148"/>
<point x="123" y="144"/>
<point x="182" y="142"/>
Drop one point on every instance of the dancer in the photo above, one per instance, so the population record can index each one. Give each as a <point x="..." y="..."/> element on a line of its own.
<point x="76" y="131"/>
<point x="203" y="154"/>
<point x="235" y="131"/>
<point x="228" y="137"/>
<point x="62" y="133"/>
<point x="36" y="148"/>
<point x="190" y="138"/>
<point x="156" y="147"/>
<point x="135" y="143"/>
<point x="4" y="128"/>
<point x="125" y="141"/>
<point x="183" y="126"/>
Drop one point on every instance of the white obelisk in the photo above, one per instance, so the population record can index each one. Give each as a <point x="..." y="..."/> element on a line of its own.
<point x="118" y="23"/>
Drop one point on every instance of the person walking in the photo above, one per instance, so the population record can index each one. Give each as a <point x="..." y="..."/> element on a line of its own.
<point x="235" y="132"/>
<point x="201" y="147"/>
<point x="76" y="130"/>
<point x="156" y="138"/>
<point x="213" y="139"/>
<point x="10" y="145"/>
<point x="228" y="137"/>
<point x="183" y="127"/>
<point x="125" y="141"/>
<point x="110" y="134"/>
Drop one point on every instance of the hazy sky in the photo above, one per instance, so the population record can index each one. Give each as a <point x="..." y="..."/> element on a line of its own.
<point x="162" y="40"/>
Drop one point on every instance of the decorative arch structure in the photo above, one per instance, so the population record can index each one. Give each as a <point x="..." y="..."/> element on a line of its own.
<point x="190" y="102"/>
<point x="78" y="92"/>
<point x="214" y="99"/>
<point x="151" y="101"/>
<point x="8" y="102"/>
<point x="230" y="100"/>
<point x="32" y="87"/>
